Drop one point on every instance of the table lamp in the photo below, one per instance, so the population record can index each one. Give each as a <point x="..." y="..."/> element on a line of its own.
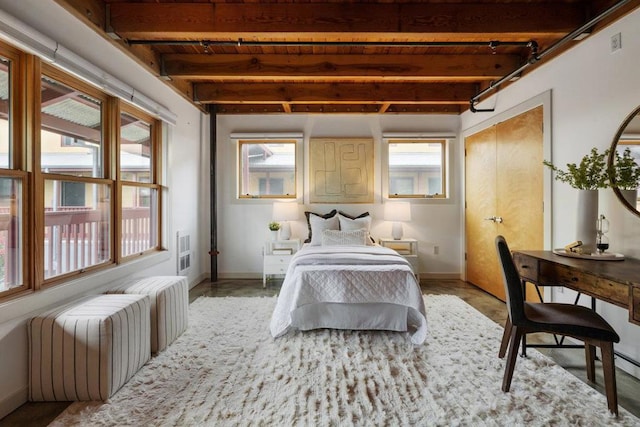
<point x="397" y="212"/>
<point x="283" y="212"/>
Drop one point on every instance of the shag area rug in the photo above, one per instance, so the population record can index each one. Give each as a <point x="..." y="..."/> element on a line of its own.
<point x="227" y="370"/>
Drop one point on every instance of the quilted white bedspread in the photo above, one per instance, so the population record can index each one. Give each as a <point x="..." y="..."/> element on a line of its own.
<point x="367" y="280"/>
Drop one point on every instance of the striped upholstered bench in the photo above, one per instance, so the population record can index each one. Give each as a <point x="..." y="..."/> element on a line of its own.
<point x="88" y="349"/>
<point x="169" y="306"/>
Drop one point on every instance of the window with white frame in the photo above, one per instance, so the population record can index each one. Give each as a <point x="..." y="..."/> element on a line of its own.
<point x="416" y="168"/>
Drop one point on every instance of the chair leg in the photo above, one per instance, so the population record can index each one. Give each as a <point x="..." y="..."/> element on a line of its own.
<point x="505" y="338"/>
<point x="514" y="344"/>
<point x="609" y="368"/>
<point x="590" y="352"/>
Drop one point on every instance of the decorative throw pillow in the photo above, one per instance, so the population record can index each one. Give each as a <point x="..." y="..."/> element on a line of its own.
<point x="348" y="222"/>
<point x="357" y="223"/>
<point x="342" y="238"/>
<point x="318" y="224"/>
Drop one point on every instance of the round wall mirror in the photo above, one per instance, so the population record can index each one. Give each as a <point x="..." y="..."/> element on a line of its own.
<point x="624" y="162"/>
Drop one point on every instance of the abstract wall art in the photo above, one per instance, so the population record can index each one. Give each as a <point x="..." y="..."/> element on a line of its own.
<point x="341" y="170"/>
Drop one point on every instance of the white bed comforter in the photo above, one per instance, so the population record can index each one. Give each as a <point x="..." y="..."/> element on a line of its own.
<point x="358" y="278"/>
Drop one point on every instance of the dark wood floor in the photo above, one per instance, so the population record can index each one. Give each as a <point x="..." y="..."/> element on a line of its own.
<point x="41" y="414"/>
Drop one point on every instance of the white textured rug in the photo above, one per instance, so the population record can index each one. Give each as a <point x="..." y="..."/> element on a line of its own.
<point x="227" y="370"/>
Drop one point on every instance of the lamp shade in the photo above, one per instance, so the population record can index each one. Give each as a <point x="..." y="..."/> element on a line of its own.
<point x="283" y="211"/>
<point x="397" y="211"/>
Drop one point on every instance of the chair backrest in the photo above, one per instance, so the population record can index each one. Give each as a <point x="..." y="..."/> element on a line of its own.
<point x="512" y="282"/>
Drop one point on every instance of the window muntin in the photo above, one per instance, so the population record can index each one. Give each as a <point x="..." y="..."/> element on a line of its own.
<point x="416" y="168"/>
<point x="11" y="241"/>
<point x="135" y="149"/>
<point x="139" y="219"/>
<point x="71" y="130"/>
<point x="267" y="169"/>
<point x="76" y="237"/>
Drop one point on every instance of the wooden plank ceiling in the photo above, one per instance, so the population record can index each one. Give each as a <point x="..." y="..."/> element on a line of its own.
<point x="257" y="56"/>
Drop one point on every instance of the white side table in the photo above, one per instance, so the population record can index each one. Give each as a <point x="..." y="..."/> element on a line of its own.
<point x="406" y="247"/>
<point x="277" y="255"/>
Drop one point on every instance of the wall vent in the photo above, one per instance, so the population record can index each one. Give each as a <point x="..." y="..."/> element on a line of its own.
<point x="184" y="253"/>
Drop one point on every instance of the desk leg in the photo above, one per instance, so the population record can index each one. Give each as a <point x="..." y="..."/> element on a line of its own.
<point x="524" y="336"/>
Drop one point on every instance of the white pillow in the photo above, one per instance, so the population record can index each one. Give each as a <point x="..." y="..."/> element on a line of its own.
<point x="319" y="225"/>
<point x="348" y="224"/>
<point x="342" y="238"/>
<point x="358" y="223"/>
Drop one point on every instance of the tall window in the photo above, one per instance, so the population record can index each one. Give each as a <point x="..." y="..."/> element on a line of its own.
<point x="12" y="177"/>
<point x="139" y="194"/>
<point x="79" y="177"/>
<point x="77" y="207"/>
<point x="267" y="169"/>
<point x="417" y="168"/>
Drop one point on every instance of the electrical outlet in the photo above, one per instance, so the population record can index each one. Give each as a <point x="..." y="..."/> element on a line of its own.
<point x="616" y="42"/>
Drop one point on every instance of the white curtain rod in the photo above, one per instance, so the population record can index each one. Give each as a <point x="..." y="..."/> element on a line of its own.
<point x="23" y="36"/>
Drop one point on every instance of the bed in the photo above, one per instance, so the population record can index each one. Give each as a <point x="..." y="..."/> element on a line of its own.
<point x="346" y="286"/>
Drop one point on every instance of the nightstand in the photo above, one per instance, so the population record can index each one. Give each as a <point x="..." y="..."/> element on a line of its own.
<point x="406" y="247"/>
<point x="277" y="255"/>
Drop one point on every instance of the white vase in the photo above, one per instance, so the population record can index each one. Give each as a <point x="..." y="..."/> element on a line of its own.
<point x="587" y="215"/>
<point x="274" y="235"/>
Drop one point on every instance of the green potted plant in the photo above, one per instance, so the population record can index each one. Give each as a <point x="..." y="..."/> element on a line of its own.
<point x="274" y="227"/>
<point x="588" y="176"/>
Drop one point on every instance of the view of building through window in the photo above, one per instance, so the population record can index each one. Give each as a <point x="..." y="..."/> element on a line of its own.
<point x="416" y="168"/>
<point x="75" y="194"/>
<point x="139" y="203"/>
<point x="267" y="169"/>
<point x="11" y="202"/>
<point x="10" y="233"/>
<point x="5" y="111"/>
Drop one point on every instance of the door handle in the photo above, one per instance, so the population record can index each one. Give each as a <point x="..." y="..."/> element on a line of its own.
<point x="497" y="219"/>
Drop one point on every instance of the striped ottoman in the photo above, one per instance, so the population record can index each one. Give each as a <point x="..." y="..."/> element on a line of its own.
<point x="88" y="349"/>
<point x="169" y="306"/>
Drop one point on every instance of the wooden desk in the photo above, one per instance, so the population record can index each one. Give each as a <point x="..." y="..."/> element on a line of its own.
<point x="617" y="282"/>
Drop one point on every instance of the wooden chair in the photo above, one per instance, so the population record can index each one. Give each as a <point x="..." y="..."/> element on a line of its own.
<point x="575" y="321"/>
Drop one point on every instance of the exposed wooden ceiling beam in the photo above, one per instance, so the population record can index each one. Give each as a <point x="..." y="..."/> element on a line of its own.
<point x="337" y="67"/>
<point x="340" y="21"/>
<point x="334" y="93"/>
<point x="364" y="108"/>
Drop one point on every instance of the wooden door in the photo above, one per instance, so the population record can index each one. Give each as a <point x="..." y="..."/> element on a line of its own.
<point x="510" y="183"/>
<point x="480" y="184"/>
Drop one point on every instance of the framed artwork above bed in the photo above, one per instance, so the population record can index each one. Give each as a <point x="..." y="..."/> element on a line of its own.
<point x="341" y="170"/>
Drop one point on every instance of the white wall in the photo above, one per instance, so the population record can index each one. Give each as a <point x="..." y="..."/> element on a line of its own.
<point x="242" y="224"/>
<point x="593" y="91"/>
<point x="185" y="186"/>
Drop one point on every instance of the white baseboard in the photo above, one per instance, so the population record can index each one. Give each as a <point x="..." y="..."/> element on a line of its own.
<point x="13" y="401"/>
<point x="441" y="276"/>
<point x="201" y="278"/>
<point x="233" y="275"/>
